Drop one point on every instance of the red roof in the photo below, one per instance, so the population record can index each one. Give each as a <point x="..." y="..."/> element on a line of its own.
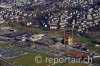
<point x="78" y="54"/>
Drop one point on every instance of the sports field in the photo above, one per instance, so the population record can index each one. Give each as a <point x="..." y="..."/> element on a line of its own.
<point x="29" y="60"/>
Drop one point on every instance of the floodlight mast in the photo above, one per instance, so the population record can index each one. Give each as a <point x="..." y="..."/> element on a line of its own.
<point x="73" y="25"/>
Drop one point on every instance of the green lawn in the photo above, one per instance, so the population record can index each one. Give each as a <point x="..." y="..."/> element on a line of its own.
<point x="82" y="38"/>
<point x="29" y="59"/>
<point x="36" y="30"/>
<point x="93" y="48"/>
<point x="3" y="45"/>
<point x="27" y="29"/>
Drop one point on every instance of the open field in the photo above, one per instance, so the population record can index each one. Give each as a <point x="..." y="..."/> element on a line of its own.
<point x="82" y="39"/>
<point x="93" y="48"/>
<point x="36" y="30"/>
<point x="29" y="60"/>
<point x="3" y="45"/>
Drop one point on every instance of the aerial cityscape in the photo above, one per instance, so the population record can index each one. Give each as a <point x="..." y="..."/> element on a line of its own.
<point x="49" y="32"/>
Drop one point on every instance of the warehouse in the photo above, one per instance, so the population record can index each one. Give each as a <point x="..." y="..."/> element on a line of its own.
<point x="15" y="34"/>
